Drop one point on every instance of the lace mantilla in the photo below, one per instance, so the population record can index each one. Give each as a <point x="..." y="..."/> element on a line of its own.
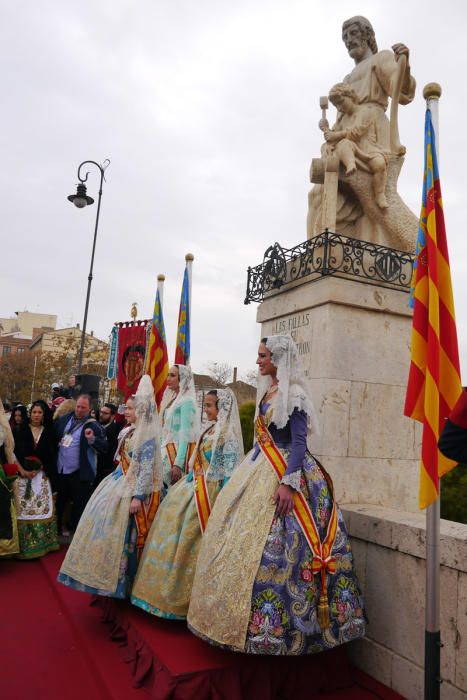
<point x="227" y="440"/>
<point x="145" y="473"/>
<point x="171" y="402"/>
<point x="293" y="390"/>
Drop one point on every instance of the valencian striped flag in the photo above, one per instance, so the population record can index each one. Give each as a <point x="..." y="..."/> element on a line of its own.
<point x="157" y="361"/>
<point x="434" y="380"/>
<point x="182" y="346"/>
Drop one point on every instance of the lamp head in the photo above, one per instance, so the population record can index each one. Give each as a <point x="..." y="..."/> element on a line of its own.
<point x="80" y="199"/>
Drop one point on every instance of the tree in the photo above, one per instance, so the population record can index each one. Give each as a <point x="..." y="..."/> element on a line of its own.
<point x="220" y="371"/>
<point x="251" y="377"/>
<point x="454" y="495"/>
<point x="29" y="375"/>
<point x="247" y="415"/>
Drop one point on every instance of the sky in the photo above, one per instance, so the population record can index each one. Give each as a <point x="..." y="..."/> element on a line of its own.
<point x="208" y="112"/>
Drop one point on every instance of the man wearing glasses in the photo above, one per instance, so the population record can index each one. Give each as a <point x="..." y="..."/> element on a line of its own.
<point x="105" y="462"/>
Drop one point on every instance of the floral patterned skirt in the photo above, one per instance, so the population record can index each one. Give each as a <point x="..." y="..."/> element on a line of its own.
<point x="37" y="522"/>
<point x="254" y="588"/>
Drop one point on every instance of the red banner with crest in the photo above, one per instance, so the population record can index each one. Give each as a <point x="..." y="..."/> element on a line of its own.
<point x="132" y="338"/>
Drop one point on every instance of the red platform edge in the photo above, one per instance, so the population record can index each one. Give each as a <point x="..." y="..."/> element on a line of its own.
<point x="169" y="663"/>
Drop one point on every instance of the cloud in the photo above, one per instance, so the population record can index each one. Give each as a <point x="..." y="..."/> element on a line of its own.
<point x="208" y="112"/>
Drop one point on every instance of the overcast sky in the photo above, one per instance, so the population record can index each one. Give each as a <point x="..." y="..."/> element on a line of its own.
<point x="208" y="112"/>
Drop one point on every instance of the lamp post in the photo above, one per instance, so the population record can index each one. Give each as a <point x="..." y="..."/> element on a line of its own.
<point x="81" y="200"/>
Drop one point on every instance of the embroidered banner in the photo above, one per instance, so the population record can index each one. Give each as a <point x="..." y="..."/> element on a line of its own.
<point x="131" y="353"/>
<point x="113" y="354"/>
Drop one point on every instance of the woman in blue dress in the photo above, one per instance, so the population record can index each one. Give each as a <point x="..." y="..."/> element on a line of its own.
<point x="165" y="576"/>
<point x="104" y="553"/>
<point x="275" y="568"/>
<point x="180" y="424"/>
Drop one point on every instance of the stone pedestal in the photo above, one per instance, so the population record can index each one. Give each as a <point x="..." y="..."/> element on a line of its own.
<point x="354" y="339"/>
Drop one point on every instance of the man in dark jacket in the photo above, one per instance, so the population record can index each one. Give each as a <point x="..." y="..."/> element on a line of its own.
<point x="105" y="461"/>
<point x="453" y="439"/>
<point x="80" y="439"/>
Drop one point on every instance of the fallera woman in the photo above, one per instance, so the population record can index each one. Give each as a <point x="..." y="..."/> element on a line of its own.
<point x="165" y="576"/>
<point x="275" y="568"/>
<point x="35" y="450"/>
<point x="180" y="424"/>
<point x="104" y="553"/>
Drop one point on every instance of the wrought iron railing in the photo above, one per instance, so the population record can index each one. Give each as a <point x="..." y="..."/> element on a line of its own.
<point x="329" y="254"/>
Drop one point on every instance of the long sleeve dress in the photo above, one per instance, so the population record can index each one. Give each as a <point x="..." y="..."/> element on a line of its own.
<point x="35" y="506"/>
<point x="165" y="576"/>
<point x="178" y="440"/>
<point x="104" y="553"/>
<point x="257" y="588"/>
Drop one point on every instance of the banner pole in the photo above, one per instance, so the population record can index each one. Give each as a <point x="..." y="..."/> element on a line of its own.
<point x="160" y="289"/>
<point x="432" y="93"/>
<point x="189" y="257"/>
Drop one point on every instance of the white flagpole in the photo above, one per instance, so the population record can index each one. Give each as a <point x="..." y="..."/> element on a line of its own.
<point x="189" y="257"/>
<point x="160" y="288"/>
<point x="432" y="93"/>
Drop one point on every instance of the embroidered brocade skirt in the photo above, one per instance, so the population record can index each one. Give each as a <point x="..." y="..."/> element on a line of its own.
<point x="167" y="568"/>
<point x="254" y="590"/>
<point x="102" y="556"/>
<point x="37" y="522"/>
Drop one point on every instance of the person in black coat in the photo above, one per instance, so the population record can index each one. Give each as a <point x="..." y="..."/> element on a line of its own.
<point x="105" y="460"/>
<point x="80" y="440"/>
<point x="40" y="442"/>
<point x="453" y="439"/>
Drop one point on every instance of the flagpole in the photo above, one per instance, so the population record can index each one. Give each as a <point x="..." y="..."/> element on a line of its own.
<point x="189" y="257"/>
<point x="432" y="93"/>
<point x="160" y="289"/>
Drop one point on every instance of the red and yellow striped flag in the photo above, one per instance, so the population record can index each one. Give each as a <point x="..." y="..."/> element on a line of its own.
<point x="157" y="362"/>
<point x="434" y="380"/>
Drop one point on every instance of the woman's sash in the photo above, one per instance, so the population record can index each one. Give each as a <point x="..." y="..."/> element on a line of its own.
<point x="172" y="454"/>
<point x="203" y="505"/>
<point x="147" y="512"/>
<point x="323" y="561"/>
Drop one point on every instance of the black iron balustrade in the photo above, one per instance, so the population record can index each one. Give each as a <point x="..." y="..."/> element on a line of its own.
<point x="330" y="254"/>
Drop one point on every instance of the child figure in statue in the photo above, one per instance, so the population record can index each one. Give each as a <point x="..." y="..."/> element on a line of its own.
<point x="353" y="139"/>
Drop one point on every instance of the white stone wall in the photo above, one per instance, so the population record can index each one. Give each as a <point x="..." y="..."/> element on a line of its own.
<point x="389" y="550"/>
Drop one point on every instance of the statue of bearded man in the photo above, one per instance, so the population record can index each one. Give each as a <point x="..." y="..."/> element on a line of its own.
<point x="376" y="77"/>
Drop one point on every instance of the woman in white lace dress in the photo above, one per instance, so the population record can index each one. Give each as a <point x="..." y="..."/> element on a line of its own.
<point x="104" y="553"/>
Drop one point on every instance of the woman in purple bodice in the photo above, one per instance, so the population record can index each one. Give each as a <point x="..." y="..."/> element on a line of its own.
<point x="275" y="571"/>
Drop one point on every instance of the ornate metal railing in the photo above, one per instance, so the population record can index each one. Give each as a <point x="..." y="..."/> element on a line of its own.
<point x="329" y="254"/>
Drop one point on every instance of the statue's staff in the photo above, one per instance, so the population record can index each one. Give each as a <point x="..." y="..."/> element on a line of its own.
<point x="395" y="144"/>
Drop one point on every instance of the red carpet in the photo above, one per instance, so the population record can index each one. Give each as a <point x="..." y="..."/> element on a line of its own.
<point x="53" y="646"/>
<point x="52" y="643"/>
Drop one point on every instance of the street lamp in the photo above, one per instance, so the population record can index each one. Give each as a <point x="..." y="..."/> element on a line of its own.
<point x="81" y="200"/>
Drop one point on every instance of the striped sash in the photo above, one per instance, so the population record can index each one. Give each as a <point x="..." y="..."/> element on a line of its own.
<point x="172" y="454"/>
<point x="203" y="505"/>
<point x="147" y="512"/>
<point x="323" y="561"/>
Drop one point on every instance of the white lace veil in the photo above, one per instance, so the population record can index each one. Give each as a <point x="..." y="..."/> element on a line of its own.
<point x="171" y="400"/>
<point x="227" y="441"/>
<point x="293" y="391"/>
<point x="146" y="458"/>
<point x="6" y="436"/>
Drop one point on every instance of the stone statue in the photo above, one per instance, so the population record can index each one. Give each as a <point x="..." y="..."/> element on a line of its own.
<point x="356" y="178"/>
